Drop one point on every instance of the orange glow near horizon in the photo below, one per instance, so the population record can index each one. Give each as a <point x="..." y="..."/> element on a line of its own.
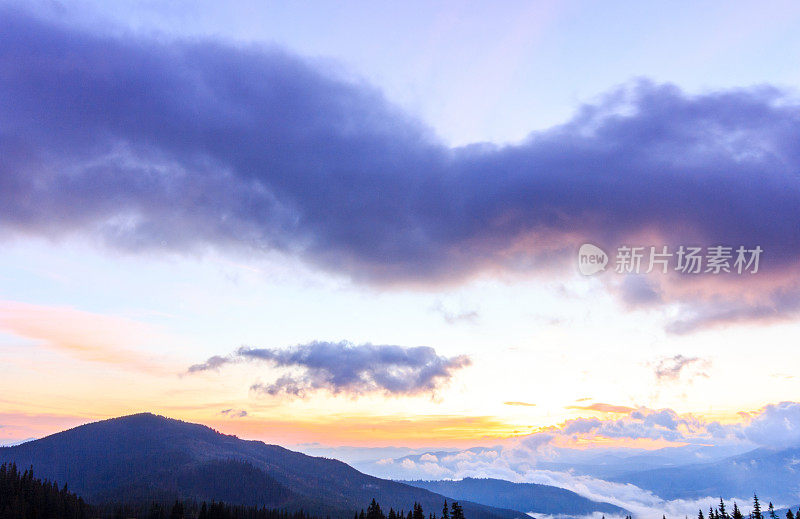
<point x="349" y="430"/>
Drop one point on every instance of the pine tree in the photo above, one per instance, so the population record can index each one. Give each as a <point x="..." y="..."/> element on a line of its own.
<point x="789" y="514"/>
<point x="157" y="512"/>
<point x="456" y="511"/>
<point x="177" y="511"/>
<point x="722" y="513"/>
<point x="756" y="508"/>
<point x="374" y="511"/>
<point x="772" y="514"/>
<point x="445" y="511"/>
<point x="737" y="514"/>
<point x="700" y="514"/>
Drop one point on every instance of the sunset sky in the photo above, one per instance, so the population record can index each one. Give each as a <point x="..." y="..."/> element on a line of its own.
<point x="358" y="225"/>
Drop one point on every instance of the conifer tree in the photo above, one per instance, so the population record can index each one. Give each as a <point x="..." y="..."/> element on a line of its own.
<point x="157" y="512"/>
<point x="756" y="508"/>
<point x="177" y="511"/>
<point x="374" y="511"/>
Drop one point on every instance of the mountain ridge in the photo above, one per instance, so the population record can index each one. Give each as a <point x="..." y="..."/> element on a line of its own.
<point x="531" y="497"/>
<point x="771" y="472"/>
<point x="147" y="456"/>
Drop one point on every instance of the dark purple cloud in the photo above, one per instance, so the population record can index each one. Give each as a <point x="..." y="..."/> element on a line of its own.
<point x="151" y="144"/>
<point x="343" y="367"/>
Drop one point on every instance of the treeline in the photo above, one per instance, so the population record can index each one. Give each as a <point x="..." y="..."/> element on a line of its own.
<point x="374" y="511"/>
<point x="22" y="496"/>
<point x="721" y="512"/>
<point x="193" y="510"/>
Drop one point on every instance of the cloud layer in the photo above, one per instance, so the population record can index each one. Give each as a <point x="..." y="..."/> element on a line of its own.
<point x="151" y="144"/>
<point x="691" y="439"/>
<point x="543" y="457"/>
<point x="343" y="367"/>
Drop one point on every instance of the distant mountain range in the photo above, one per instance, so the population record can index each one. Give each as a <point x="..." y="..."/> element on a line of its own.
<point x="772" y="473"/>
<point x="531" y="497"/>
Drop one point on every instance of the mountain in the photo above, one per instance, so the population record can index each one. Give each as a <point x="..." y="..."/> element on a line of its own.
<point x="147" y="457"/>
<point x="772" y="473"/>
<point x="531" y="497"/>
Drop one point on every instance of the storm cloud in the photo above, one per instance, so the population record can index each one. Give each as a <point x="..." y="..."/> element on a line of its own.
<point x="169" y="145"/>
<point x="343" y="367"/>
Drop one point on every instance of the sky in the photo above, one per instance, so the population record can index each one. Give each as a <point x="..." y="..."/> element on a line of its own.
<point x="358" y="224"/>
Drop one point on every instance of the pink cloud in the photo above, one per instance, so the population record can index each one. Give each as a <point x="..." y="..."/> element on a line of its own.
<point x="85" y="335"/>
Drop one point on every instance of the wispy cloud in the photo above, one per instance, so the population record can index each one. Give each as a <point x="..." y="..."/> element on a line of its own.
<point x="517" y="403"/>
<point x="604" y="408"/>
<point x="451" y="317"/>
<point x="213" y="363"/>
<point x="670" y="368"/>
<point x="343" y="367"/>
<point x="85" y="335"/>
<point x="234" y="413"/>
